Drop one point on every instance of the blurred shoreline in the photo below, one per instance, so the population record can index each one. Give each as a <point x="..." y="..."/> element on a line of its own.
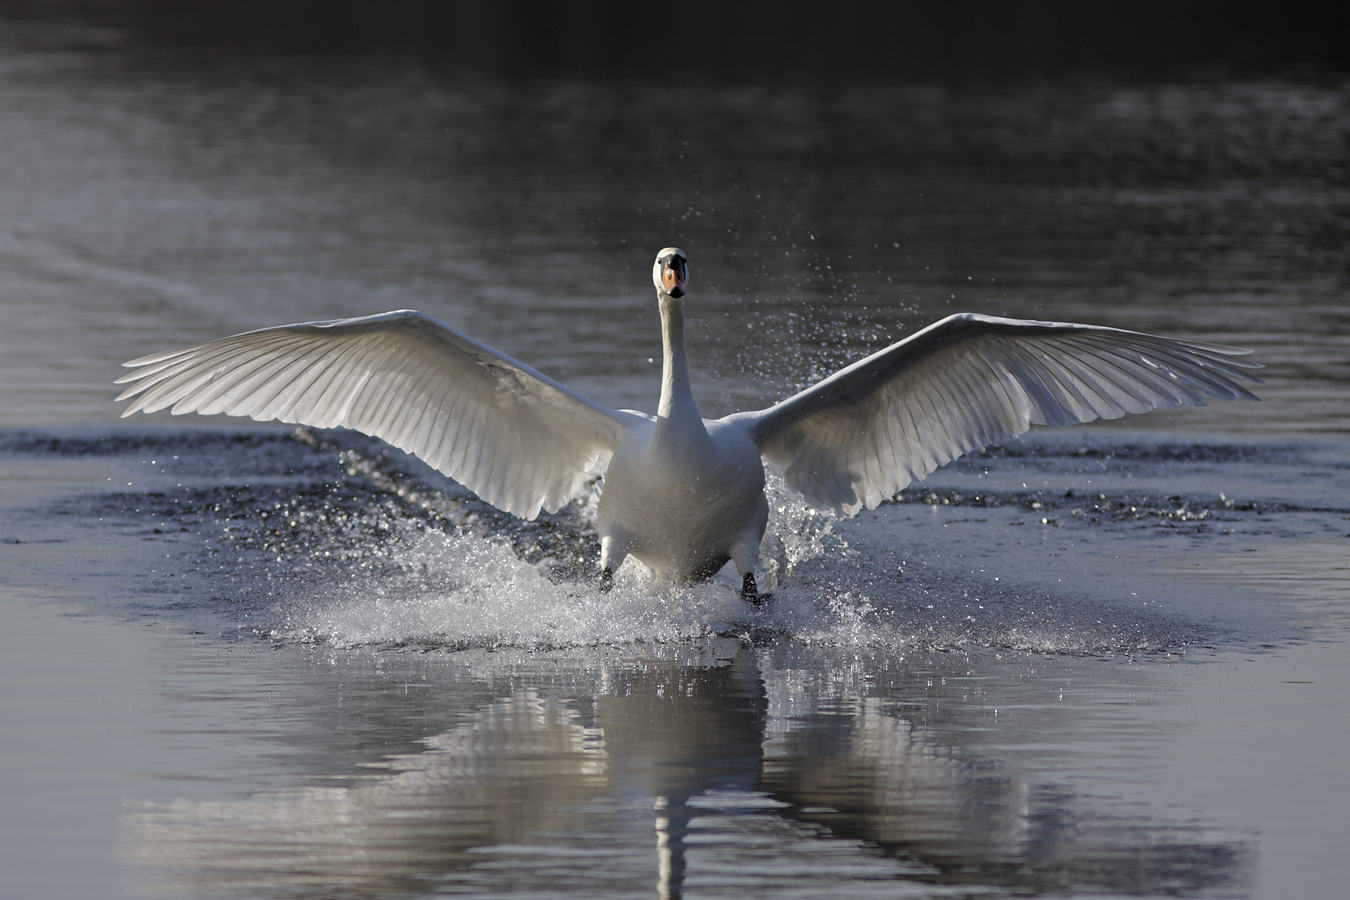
<point x="757" y="41"/>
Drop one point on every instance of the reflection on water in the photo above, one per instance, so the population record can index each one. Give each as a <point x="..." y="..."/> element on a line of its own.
<point x="538" y="779"/>
<point x="460" y="710"/>
<point x="511" y="773"/>
<point x="457" y="710"/>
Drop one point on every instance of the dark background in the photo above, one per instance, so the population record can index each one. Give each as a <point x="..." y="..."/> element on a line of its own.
<point x="751" y="40"/>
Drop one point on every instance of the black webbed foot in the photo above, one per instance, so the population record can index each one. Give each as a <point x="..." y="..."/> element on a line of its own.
<point x="606" y="581"/>
<point x="750" y="591"/>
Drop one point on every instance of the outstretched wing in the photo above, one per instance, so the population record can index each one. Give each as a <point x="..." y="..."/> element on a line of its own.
<point x="518" y="439"/>
<point x="969" y="380"/>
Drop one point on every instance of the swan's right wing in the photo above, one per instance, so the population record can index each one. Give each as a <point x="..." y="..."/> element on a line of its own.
<point x="967" y="381"/>
<point x="518" y="439"/>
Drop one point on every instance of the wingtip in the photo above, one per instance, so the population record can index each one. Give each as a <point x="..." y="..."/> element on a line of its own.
<point x="153" y="358"/>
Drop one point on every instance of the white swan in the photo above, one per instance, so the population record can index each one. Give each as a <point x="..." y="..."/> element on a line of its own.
<point x="681" y="493"/>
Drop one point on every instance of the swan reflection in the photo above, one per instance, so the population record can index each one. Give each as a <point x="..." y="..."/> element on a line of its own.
<point x="514" y="770"/>
<point x="666" y="771"/>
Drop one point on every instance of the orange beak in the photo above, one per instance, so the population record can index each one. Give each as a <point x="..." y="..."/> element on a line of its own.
<point x="672" y="280"/>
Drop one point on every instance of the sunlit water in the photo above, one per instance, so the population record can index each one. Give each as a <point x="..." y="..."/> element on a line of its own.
<point x="258" y="662"/>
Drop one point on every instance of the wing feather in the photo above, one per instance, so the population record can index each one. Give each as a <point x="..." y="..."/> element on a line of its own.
<point x="518" y="439"/>
<point x="1133" y="387"/>
<point x="1080" y="401"/>
<point x="860" y="435"/>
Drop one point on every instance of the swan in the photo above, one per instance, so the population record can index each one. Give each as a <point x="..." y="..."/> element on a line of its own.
<point x="684" y="494"/>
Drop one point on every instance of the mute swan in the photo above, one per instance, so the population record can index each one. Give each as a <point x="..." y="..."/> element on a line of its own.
<point x="681" y="493"/>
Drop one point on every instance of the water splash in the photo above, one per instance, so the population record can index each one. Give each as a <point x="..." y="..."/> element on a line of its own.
<point x="333" y="539"/>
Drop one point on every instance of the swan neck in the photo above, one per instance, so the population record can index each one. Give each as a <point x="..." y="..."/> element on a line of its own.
<point x="677" y="397"/>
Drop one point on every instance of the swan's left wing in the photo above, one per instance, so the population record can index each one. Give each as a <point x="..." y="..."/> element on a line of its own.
<point x="518" y="439"/>
<point x="969" y="380"/>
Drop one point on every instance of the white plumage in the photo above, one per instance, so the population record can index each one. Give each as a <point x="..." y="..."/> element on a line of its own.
<point x="516" y="438"/>
<point x="681" y="493"/>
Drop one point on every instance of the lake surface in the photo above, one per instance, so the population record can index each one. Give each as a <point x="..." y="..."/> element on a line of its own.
<point x="242" y="660"/>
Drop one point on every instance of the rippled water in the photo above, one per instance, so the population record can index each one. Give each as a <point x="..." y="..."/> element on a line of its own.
<point x="990" y="683"/>
<point x="257" y="662"/>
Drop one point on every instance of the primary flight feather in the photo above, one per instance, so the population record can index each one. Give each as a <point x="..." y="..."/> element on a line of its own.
<point x="681" y="493"/>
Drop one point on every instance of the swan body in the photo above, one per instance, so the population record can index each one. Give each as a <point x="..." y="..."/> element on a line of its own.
<point x="684" y="503"/>
<point x="683" y="494"/>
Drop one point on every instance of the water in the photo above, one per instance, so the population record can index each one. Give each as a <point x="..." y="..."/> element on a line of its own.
<point x="241" y="660"/>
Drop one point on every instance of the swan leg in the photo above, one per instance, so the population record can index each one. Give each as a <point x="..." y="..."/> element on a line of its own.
<point x="746" y="557"/>
<point x="750" y="591"/>
<point x="612" y="554"/>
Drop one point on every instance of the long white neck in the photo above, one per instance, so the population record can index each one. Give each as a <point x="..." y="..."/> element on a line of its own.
<point x="677" y="410"/>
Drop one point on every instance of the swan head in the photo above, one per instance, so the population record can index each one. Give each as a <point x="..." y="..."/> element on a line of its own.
<point x="670" y="272"/>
